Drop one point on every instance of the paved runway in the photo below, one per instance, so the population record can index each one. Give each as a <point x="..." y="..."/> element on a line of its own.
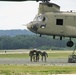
<point x="55" y="61"/>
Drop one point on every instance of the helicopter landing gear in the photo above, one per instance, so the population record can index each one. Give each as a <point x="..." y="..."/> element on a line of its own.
<point x="40" y="35"/>
<point x="70" y="43"/>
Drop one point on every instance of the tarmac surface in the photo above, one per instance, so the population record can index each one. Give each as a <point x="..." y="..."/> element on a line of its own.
<point x="55" y="61"/>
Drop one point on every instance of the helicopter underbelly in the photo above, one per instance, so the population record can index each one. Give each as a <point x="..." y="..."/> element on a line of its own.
<point x="67" y="31"/>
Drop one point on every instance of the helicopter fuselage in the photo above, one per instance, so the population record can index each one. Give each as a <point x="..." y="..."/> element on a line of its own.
<point x="54" y="22"/>
<point x="60" y="24"/>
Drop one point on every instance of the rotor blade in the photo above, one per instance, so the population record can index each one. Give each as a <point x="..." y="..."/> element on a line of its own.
<point x="20" y="0"/>
<point x="26" y="0"/>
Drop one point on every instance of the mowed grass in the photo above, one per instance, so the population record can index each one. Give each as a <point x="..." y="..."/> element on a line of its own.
<point x="36" y="70"/>
<point x="51" y="54"/>
<point x="22" y="55"/>
<point x="60" y="54"/>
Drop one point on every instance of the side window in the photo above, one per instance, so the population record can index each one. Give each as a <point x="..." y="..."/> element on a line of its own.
<point x="59" y="21"/>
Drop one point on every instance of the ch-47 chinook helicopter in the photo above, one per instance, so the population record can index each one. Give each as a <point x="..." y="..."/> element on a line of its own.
<point x="51" y="21"/>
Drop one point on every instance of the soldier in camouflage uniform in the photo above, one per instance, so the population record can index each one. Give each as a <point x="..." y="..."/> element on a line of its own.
<point x="32" y="55"/>
<point x="44" y="56"/>
<point x="38" y="53"/>
<point x="35" y="55"/>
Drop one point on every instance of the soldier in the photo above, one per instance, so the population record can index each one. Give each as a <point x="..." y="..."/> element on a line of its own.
<point x="44" y="55"/>
<point x="38" y="53"/>
<point x="32" y="55"/>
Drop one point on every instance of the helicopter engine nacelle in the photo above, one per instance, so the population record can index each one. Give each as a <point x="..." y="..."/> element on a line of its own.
<point x="48" y="7"/>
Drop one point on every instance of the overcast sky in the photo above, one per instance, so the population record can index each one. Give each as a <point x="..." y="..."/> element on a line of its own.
<point x="13" y="15"/>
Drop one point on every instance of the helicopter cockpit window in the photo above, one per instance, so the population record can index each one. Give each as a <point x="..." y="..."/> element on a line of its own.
<point x="44" y="18"/>
<point x="40" y="18"/>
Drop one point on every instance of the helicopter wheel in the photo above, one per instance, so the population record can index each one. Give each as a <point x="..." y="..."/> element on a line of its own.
<point x="70" y="43"/>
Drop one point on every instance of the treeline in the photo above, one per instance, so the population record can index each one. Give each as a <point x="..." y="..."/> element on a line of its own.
<point x="15" y="32"/>
<point x="29" y="42"/>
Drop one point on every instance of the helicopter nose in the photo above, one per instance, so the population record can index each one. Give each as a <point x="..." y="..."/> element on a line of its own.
<point x="32" y="26"/>
<point x="29" y="26"/>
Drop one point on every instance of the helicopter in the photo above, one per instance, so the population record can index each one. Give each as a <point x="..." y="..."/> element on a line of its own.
<point x="51" y="21"/>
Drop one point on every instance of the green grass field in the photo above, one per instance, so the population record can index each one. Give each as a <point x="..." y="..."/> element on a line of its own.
<point x="17" y="54"/>
<point x="35" y="69"/>
<point x="23" y="55"/>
